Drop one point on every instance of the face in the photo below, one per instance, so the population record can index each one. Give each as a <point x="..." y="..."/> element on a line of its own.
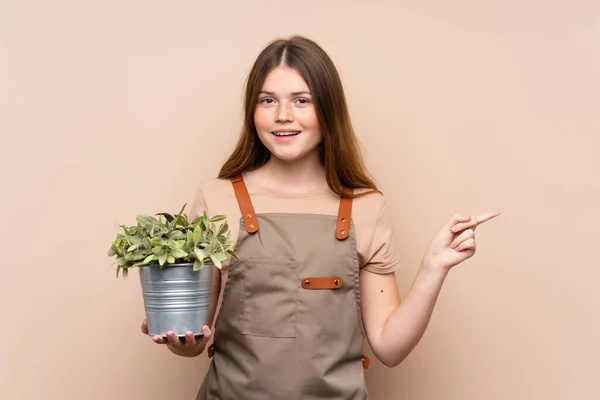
<point x="285" y="116"/>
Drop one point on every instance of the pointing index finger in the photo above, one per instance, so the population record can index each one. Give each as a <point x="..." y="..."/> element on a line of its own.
<point x="480" y="219"/>
<point x="475" y="221"/>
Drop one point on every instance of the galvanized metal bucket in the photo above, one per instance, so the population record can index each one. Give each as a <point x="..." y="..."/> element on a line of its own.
<point x="176" y="298"/>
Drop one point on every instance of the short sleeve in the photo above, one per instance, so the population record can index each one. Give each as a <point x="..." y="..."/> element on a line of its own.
<point x="380" y="256"/>
<point x="198" y="205"/>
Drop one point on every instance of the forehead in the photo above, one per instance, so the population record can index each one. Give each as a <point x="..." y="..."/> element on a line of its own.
<point x="284" y="79"/>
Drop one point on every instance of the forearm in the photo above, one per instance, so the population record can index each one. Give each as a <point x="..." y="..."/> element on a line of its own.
<point x="394" y="328"/>
<point x="406" y="325"/>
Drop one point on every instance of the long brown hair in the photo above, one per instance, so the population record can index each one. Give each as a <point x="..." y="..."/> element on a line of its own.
<point x="340" y="153"/>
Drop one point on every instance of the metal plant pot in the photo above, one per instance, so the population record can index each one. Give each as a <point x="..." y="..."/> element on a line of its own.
<point x="176" y="298"/>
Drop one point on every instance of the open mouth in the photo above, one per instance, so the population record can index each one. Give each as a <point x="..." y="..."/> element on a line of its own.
<point x="286" y="133"/>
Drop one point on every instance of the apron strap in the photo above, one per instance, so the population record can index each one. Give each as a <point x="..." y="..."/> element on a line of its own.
<point x="251" y="222"/>
<point x="344" y="214"/>
<point x="243" y="198"/>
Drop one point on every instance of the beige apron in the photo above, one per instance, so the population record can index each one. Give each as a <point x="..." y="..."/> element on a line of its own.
<point x="289" y="326"/>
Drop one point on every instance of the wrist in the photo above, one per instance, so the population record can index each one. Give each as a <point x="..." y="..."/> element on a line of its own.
<point x="433" y="269"/>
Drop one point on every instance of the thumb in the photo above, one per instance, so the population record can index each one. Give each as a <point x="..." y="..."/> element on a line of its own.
<point x="206" y="333"/>
<point x="144" y="326"/>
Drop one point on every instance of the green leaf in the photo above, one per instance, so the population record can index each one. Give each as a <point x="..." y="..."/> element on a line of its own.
<point x="196" y="235"/>
<point x="173" y="244"/>
<point x="233" y="254"/>
<point x="147" y="220"/>
<point x="216" y="261"/>
<point x="175" y="235"/>
<point x="167" y="216"/>
<point x="220" y="256"/>
<point x="182" y="208"/>
<point x="166" y="237"/>
<point x="138" y="264"/>
<point x="218" y="218"/>
<point x="125" y="273"/>
<point x="181" y="220"/>
<point x="133" y="247"/>
<point x="178" y="253"/>
<point x="199" y="254"/>
<point x="162" y="259"/>
<point x="136" y="255"/>
<point x="223" y="229"/>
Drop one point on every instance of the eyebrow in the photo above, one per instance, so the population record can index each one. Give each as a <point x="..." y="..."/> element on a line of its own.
<point x="293" y="93"/>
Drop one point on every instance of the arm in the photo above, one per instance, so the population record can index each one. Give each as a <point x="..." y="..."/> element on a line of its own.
<point x="393" y="328"/>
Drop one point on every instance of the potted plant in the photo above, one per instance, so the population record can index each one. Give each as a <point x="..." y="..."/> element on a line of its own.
<point x="174" y="257"/>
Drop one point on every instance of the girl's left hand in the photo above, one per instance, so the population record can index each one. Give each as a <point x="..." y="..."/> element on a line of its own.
<point x="455" y="242"/>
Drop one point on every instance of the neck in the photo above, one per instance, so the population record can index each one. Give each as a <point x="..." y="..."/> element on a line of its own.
<point x="298" y="176"/>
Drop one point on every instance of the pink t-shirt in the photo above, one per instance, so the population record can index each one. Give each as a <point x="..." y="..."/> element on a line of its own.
<point x="372" y="223"/>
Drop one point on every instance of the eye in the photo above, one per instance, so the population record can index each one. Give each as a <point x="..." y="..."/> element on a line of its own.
<point x="303" y="101"/>
<point x="266" y="100"/>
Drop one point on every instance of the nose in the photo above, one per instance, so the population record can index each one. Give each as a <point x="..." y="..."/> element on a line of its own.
<point x="285" y="113"/>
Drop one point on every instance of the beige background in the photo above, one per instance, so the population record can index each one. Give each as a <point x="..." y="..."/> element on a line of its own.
<point x="112" y="108"/>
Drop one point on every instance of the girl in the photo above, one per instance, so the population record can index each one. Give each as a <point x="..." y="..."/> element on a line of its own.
<point x="314" y="237"/>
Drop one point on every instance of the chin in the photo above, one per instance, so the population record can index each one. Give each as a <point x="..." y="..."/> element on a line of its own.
<point x="288" y="157"/>
<point x="292" y="155"/>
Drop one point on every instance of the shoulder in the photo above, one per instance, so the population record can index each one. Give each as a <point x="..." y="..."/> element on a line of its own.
<point x="213" y="195"/>
<point x="374" y="233"/>
<point x="369" y="205"/>
<point x="215" y="187"/>
<point x="371" y="213"/>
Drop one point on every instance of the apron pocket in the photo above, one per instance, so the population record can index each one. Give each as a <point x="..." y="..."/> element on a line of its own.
<point x="270" y="297"/>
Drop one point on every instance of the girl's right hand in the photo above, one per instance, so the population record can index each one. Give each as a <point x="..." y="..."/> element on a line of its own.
<point x="191" y="346"/>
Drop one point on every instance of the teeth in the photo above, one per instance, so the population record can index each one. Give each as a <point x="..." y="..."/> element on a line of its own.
<point x="285" y="133"/>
